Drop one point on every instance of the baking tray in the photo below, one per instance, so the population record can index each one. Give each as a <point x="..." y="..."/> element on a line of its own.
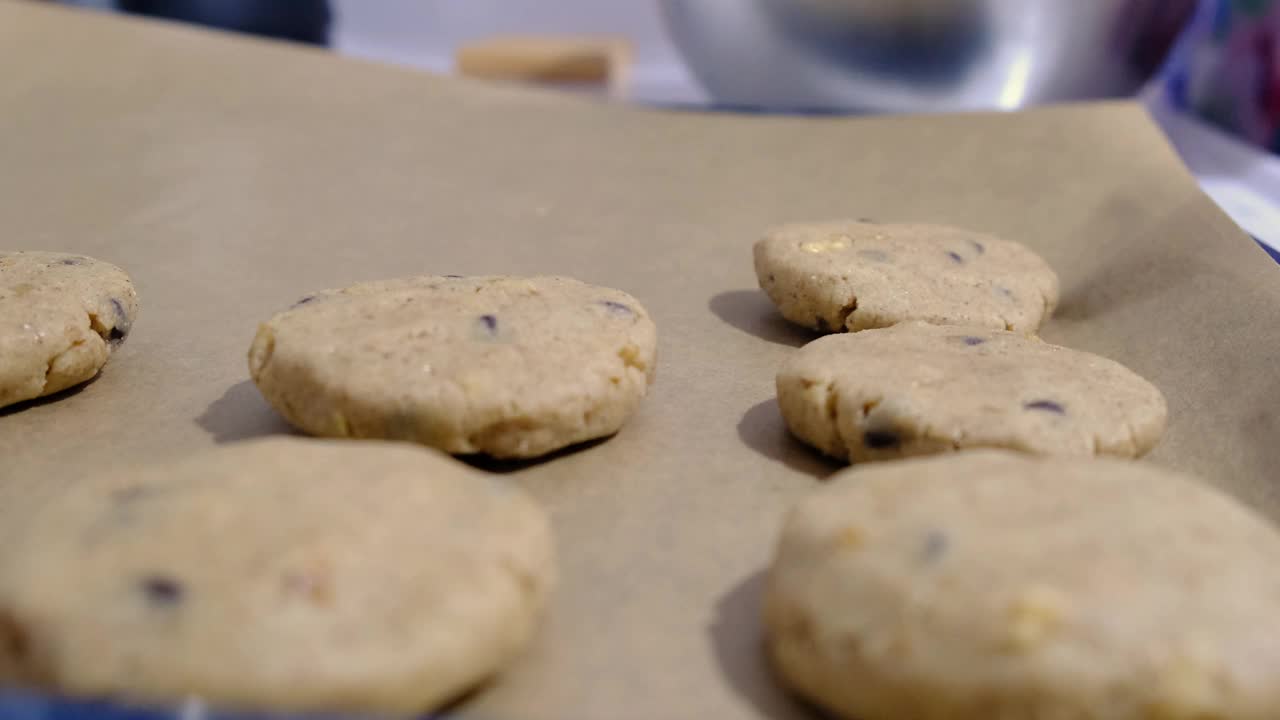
<point x="232" y="176"/>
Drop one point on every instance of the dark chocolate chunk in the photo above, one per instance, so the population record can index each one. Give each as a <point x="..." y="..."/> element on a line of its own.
<point x="305" y="300"/>
<point x="71" y="261"/>
<point x="490" y="322"/>
<point x="121" y="328"/>
<point x="162" y="590"/>
<point x="455" y="277"/>
<point x="971" y="340"/>
<point x="881" y="439"/>
<point x="1046" y="405"/>
<point x="978" y="247"/>
<point x="935" y="546"/>
<point x="955" y="256"/>
<point x="616" y="308"/>
<point x="771" y="278"/>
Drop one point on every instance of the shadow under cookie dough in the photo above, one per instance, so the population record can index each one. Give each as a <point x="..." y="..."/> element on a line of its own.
<point x="496" y="465"/>
<point x="240" y="414"/>
<point x="736" y="634"/>
<point x="751" y="312"/>
<point x="763" y="430"/>
<point x="48" y="399"/>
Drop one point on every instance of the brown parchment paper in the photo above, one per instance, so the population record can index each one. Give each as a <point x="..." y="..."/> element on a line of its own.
<point x="231" y="176"/>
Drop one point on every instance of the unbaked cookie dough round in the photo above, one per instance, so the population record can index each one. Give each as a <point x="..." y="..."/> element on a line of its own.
<point x="854" y="275"/>
<point x="285" y="574"/>
<point x="990" y="585"/>
<point x="60" y="317"/>
<point x="917" y="389"/>
<point x="513" y="367"/>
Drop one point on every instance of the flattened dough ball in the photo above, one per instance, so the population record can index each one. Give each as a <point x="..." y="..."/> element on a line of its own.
<point x="290" y="574"/>
<point x="848" y="275"/>
<point x="508" y="366"/>
<point x="60" y="317"/>
<point x="995" y="585"/>
<point x="917" y="389"/>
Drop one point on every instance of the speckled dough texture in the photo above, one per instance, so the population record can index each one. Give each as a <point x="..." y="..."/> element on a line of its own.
<point x="917" y="389"/>
<point x="508" y="366"/>
<point x="289" y="573"/>
<point x="60" y="317"/>
<point x="852" y="275"/>
<point x="995" y="586"/>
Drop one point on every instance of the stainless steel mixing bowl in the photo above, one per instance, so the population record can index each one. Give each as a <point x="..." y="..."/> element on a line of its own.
<point x="921" y="55"/>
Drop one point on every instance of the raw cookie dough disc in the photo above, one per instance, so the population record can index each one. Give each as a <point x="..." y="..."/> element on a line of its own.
<point x="994" y="585"/>
<point x="288" y="573"/>
<point x="850" y="275"/>
<point x="916" y="389"/>
<point x="60" y="317"/>
<point x="508" y="366"/>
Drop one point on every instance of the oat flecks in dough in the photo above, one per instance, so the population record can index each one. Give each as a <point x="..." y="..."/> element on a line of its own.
<point x="508" y="366"/>
<point x="918" y="389"/>
<point x="286" y="574"/>
<point x="1064" y="588"/>
<point x="61" y="316"/>
<point x="855" y="275"/>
